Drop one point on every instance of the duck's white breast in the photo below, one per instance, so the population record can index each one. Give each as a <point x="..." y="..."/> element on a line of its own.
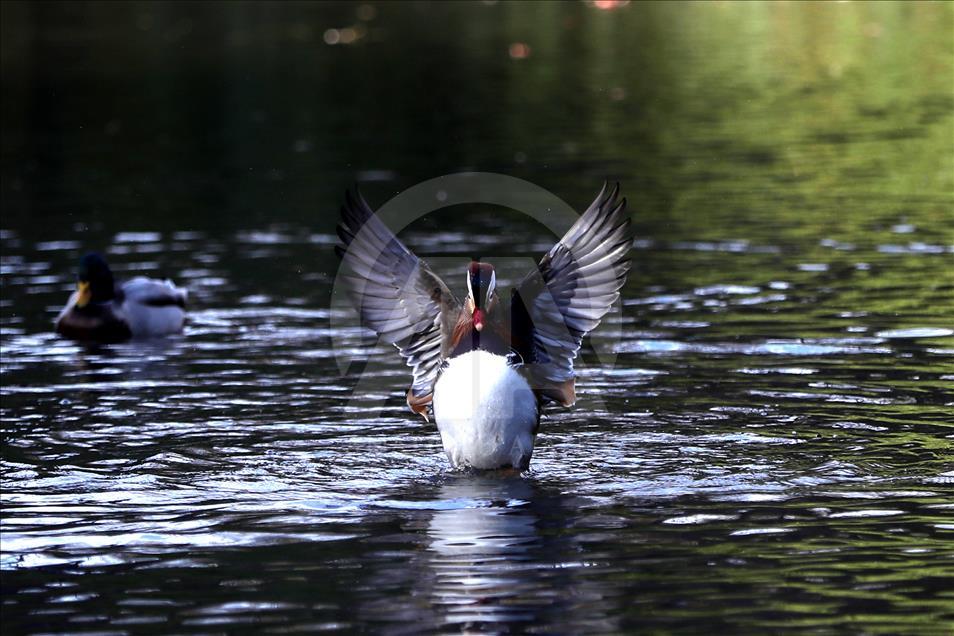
<point x="485" y="411"/>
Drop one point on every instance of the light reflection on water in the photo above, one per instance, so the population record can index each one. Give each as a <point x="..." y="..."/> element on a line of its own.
<point x="479" y="551"/>
<point x="240" y="440"/>
<point x="763" y="439"/>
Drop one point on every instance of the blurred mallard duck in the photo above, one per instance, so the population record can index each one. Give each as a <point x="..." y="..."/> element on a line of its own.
<point x="102" y="311"/>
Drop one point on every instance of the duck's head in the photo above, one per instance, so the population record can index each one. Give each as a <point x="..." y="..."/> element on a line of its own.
<point x="481" y="292"/>
<point x="95" y="281"/>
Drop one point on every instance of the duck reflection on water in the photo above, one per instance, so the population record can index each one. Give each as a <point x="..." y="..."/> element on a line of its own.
<point x="483" y="553"/>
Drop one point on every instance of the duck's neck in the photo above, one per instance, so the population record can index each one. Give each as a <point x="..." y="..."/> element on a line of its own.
<point x="467" y="338"/>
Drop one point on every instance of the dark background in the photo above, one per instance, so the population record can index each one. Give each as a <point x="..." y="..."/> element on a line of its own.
<point x="769" y="448"/>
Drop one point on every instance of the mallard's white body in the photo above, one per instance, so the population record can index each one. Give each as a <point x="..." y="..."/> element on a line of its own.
<point x="147" y="319"/>
<point x="485" y="411"/>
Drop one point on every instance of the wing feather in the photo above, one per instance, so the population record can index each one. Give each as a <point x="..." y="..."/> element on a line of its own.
<point x="396" y="293"/>
<point x="575" y="285"/>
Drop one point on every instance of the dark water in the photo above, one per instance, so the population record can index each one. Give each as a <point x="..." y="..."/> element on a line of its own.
<point x="772" y="448"/>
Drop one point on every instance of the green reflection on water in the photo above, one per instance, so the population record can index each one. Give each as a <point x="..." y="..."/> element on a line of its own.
<point x="778" y="125"/>
<point x="787" y="121"/>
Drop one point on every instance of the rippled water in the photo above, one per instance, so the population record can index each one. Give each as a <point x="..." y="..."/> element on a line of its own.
<point x="763" y="440"/>
<point x="753" y="445"/>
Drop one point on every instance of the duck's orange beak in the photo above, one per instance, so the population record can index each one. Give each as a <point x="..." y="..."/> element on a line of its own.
<point x="478" y="319"/>
<point x="83" y="293"/>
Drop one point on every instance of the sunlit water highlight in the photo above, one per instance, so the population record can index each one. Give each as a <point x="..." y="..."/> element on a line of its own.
<point x="708" y="460"/>
<point x="764" y="435"/>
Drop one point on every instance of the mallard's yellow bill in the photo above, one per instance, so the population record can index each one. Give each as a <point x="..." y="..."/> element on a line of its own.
<point x="83" y="293"/>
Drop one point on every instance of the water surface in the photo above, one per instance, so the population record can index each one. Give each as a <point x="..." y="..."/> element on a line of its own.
<point x="763" y="440"/>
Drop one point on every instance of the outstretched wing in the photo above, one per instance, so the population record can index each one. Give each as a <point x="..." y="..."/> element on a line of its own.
<point x="396" y="294"/>
<point x="576" y="283"/>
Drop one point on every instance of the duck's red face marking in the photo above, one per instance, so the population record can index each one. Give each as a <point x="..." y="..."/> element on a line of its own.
<point x="479" y="319"/>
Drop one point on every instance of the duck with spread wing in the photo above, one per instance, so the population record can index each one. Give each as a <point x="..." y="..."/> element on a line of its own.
<point x="486" y="366"/>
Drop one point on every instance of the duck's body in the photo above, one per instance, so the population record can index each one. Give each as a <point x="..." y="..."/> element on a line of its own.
<point x="485" y="411"/>
<point x="153" y="307"/>
<point x="483" y="367"/>
<point x="101" y="311"/>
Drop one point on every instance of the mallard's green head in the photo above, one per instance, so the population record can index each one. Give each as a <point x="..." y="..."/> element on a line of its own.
<point x="95" y="281"/>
